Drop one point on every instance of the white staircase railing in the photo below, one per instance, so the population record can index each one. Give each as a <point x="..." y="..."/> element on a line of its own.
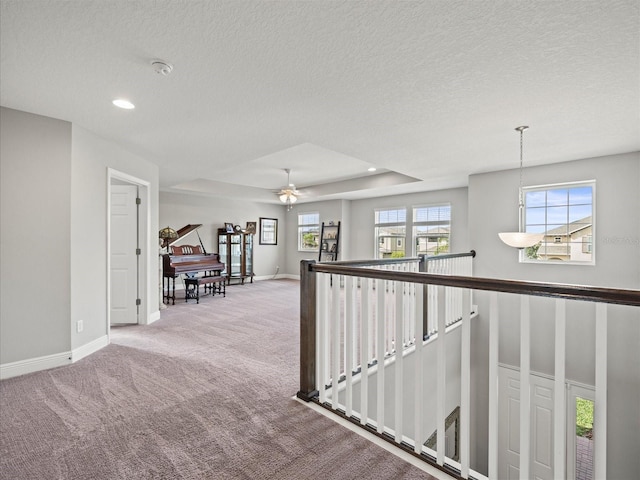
<point x="370" y="351"/>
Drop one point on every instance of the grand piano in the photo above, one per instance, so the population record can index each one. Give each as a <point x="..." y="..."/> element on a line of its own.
<point x="186" y="260"/>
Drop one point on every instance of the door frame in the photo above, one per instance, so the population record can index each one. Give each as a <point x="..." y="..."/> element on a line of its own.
<point x="144" y="232"/>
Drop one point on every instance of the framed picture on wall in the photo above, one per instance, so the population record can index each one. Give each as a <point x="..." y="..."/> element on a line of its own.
<point x="268" y="231"/>
<point x="251" y="227"/>
<point x="228" y="227"/>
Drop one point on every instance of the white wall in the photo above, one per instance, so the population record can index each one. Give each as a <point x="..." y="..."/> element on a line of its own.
<point x="493" y="199"/>
<point x="90" y="159"/>
<point x="178" y="210"/>
<point x="35" y="171"/>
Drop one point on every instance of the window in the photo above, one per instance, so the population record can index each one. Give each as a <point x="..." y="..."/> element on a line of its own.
<point x="390" y="233"/>
<point x="432" y="229"/>
<point x="308" y="231"/>
<point x="565" y="214"/>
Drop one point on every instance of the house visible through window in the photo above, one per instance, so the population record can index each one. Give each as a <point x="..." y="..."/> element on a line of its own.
<point x="565" y="214"/>
<point x="308" y="231"/>
<point x="431" y="229"/>
<point x="390" y="233"/>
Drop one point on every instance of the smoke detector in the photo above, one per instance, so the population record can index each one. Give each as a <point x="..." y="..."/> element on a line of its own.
<point x="161" y="67"/>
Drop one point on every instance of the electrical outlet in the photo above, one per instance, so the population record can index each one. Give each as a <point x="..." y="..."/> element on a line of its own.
<point x="80" y="325"/>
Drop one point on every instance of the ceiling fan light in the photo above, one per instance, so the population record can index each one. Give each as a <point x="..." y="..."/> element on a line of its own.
<point x="284" y="197"/>
<point x="293" y="198"/>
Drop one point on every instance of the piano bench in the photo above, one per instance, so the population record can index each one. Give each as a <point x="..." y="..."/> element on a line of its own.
<point x="211" y="284"/>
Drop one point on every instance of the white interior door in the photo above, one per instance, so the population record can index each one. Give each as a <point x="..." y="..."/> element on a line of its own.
<point x="124" y="259"/>
<point x="509" y="426"/>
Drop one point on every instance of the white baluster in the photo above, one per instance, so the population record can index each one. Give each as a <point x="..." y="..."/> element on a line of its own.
<point x="348" y="343"/>
<point x="559" y="412"/>
<point x="399" y="362"/>
<point x="600" y="406"/>
<point x="364" y="351"/>
<point x="335" y="339"/>
<point x="380" y="351"/>
<point x="525" y="385"/>
<point x="418" y="367"/>
<point x="465" y="387"/>
<point x="441" y="367"/>
<point x="322" y="340"/>
<point x="493" y="385"/>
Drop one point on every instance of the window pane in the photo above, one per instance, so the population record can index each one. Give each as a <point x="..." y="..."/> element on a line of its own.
<point x="536" y="216"/>
<point x="390" y="242"/>
<point x="431" y="229"/>
<point x="536" y="198"/>
<point x="580" y="213"/>
<point x="391" y="216"/>
<point x="308" y="231"/>
<point x="557" y="214"/>
<point x="565" y="215"/>
<point x="581" y="195"/>
<point x="432" y="214"/>
<point x="557" y="197"/>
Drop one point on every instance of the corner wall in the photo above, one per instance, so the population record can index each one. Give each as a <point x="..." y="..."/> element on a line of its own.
<point x="35" y="171"/>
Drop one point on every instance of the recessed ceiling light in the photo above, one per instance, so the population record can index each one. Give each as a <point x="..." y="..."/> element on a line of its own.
<point x="371" y="169"/>
<point x="122" y="103"/>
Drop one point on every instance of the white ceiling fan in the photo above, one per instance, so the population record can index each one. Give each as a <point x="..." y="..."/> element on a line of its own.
<point x="289" y="194"/>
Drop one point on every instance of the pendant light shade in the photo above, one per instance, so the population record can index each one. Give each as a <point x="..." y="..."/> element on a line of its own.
<point x="521" y="239"/>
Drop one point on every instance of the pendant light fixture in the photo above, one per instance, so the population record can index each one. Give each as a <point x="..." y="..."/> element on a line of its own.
<point x="289" y="195"/>
<point x="521" y="239"/>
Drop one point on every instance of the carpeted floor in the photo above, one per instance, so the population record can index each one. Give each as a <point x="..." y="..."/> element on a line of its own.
<point x="204" y="393"/>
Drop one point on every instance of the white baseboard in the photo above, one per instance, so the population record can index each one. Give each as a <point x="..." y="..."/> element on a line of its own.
<point x="30" y="365"/>
<point x="154" y="317"/>
<point x="89" y="348"/>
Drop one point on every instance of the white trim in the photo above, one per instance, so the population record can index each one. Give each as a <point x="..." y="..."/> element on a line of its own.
<point x="89" y="348"/>
<point x="31" y="365"/>
<point x="154" y="317"/>
<point x="144" y="226"/>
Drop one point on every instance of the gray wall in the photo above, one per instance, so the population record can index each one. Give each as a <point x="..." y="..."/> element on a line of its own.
<point x="91" y="158"/>
<point x="362" y="218"/>
<point x="330" y="210"/>
<point x="35" y="171"/>
<point x="54" y="221"/>
<point x="357" y="217"/>
<point x="493" y="199"/>
<point x="178" y="210"/>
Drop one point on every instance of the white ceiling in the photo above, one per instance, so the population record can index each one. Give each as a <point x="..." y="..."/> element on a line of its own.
<point x="427" y="91"/>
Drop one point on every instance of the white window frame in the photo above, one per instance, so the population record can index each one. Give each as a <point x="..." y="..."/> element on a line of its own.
<point x="377" y="225"/>
<point x="417" y="223"/>
<point x="562" y="186"/>
<point x="305" y="227"/>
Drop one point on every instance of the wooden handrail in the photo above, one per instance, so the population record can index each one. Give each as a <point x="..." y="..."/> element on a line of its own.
<point x="374" y="262"/>
<point x="430" y="258"/>
<point x="540" y="289"/>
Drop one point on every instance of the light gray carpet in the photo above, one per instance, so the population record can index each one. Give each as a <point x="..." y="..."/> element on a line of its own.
<point x="204" y="393"/>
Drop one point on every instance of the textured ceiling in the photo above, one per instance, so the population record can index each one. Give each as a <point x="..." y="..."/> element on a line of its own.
<point x="426" y="90"/>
